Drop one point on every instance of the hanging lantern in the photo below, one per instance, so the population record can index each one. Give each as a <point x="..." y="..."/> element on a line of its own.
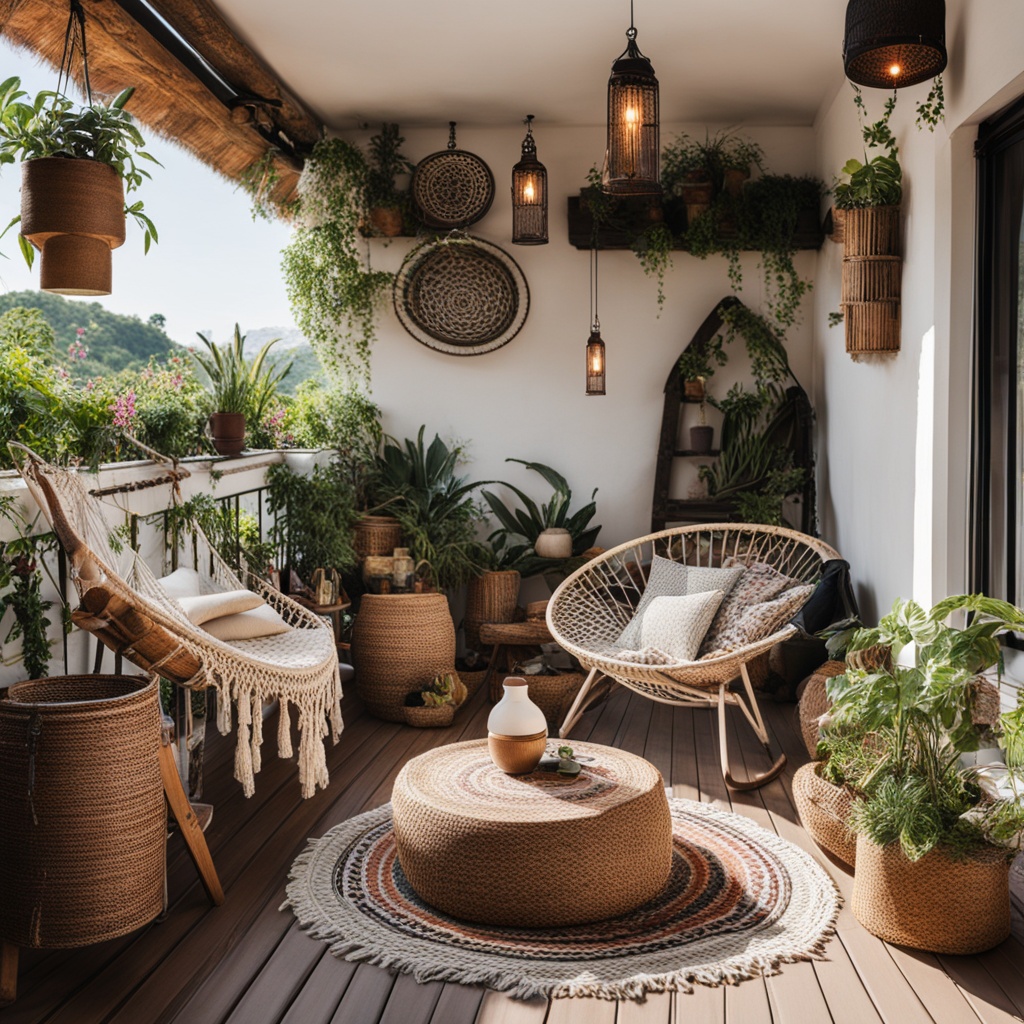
<point x="529" y="195"/>
<point x="595" y="361"/>
<point x="889" y="45"/>
<point x="595" y="346"/>
<point x="634" y="148"/>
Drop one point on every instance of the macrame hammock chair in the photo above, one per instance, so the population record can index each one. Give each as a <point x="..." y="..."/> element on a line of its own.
<point x="590" y="609"/>
<point x="123" y="604"/>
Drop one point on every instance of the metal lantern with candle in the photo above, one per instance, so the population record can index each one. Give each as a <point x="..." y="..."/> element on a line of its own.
<point x="529" y="195"/>
<point x="595" y="345"/>
<point x="634" y="150"/>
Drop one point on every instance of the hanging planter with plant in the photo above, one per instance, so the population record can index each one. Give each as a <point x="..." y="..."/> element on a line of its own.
<point x="77" y="164"/>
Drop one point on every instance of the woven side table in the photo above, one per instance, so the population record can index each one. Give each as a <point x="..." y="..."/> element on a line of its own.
<point x="533" y="850"/>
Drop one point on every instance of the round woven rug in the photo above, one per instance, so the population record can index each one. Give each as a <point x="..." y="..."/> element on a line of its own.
<point x="740" y="901"/>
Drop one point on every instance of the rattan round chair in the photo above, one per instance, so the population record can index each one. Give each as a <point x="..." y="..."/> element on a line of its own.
<point x="590" y="609"/>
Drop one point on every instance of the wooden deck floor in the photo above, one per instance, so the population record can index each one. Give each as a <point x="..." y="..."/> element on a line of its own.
<point x="248" y="963"/>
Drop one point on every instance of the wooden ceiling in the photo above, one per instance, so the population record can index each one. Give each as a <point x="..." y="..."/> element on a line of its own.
<point x="229" y="119"/>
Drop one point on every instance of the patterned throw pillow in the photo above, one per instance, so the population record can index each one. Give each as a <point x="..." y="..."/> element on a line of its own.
<point x="761" y="620"/>
<point x="759" y="583"/>
<point x="673" y="579"/>
<point x="676" y="625"/>
<point x="648" y="656"/>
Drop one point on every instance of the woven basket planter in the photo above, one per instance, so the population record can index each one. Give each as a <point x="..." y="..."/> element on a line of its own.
<point x="935" y="904"/>
<point x="491" y="597"/>
<point x="824" y="812"/>
<point x="554" y="695"/>
<point x="91" y="866"/>
<point x="430" y="718"/>
<point x="400" y="642"/>
<point x="376" y="535"/>
<point x="872" y="271"/>
<point x="814" y="702"/>
<point x="73" y="212"/>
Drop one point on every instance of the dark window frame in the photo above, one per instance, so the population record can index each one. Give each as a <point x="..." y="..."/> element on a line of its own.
<point x="995" y="538"/>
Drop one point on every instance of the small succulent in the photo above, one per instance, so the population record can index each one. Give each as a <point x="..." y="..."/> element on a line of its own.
<point x="445" y="689"/>
<point x="566" y="765"/>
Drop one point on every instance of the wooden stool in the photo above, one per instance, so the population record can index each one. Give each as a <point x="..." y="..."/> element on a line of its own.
<point x="506" y="637"/>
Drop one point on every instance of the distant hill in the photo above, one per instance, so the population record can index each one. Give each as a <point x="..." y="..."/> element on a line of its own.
<point x="117" y="342"/>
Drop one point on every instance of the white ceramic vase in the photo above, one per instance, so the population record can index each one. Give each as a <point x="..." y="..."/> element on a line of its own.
<point x="517" y="731"/>
<point x="554" y="543"/>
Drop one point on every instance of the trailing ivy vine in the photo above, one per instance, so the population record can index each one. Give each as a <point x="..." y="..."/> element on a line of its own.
<point x="334" y="292"/>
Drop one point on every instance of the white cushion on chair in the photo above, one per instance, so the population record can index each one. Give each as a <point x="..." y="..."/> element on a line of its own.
<point x="202" y="609"/>
<point x="181" y="583"/>
<point x="673" y="579"/>
<point x="248" y="625"/>
<point x="676" y="625"/>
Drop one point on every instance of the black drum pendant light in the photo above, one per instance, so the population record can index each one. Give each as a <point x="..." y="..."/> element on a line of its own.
<point x="634" y="149"/>
<point x="529" y="195"/>
<point x="893" y="43"/>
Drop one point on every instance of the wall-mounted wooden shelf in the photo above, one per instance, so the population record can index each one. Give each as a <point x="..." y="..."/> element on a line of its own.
<point x="808" y="235"/>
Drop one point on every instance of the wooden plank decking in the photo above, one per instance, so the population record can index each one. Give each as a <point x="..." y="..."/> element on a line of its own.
<point x="248" y="963"/>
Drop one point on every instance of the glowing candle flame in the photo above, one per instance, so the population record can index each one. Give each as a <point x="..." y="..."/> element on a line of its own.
<point x="894" y="70"/>
<point x="631" y="115"/>
<point x="528" y="192"/>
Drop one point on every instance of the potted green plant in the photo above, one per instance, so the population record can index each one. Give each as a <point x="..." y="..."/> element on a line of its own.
<point x="240" y="389"/>
<point x="388" y="207"/>
<point x="933" y="850"/>
<point x="549" y="538"/>
<point x="77" y="164"/>
<point x="698" y="171"/>
<point x="697" y="366"/>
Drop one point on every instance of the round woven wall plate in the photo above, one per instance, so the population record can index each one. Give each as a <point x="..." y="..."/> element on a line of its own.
<point x="452" y="188"/>
<point x="463" y="296"/>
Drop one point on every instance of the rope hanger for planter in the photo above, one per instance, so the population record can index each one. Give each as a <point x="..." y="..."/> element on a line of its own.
<point x="74" y="39"/>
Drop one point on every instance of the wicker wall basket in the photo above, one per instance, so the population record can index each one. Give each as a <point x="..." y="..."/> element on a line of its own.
<point x="871" y="284"/>
<point x="91" y="864"/>
<point x="400" y="642"/>
<point x="934" y="904"/>
<point x="491" y="597"/>
<point x="824" y="812"/>
<point x="376" y="535"/>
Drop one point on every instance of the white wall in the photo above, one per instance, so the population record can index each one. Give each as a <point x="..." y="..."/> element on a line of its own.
<point x="894" y="433"/>
<point x="526" y="400"/>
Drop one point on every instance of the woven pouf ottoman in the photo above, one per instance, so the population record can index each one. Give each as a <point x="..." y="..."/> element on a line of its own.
<point x="537" y="850"/>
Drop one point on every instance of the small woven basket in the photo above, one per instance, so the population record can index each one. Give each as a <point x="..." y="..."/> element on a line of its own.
<point x="491" y="597"/>
<point x="936" y="904"/>
<point x="554" y="695"/>
<point x="824" y="811"/>
<point x="814" y="702"/>
<point x="83" y="849"/>
<point x="400" y="643"/>
<point x="376" y="535"/>
<point x="432" y="717"/>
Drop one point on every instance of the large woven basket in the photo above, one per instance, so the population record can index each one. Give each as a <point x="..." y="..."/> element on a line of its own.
<point x="824" y="812"/>
<point x="430" y="717"/>
<point x="400" y="642"/>
<point x="936" y="904"/>
<point x="83" y="850"/>
<point x="491" y="597"/>
<point x="376" y="535"/>
<point x="813" y="702"/>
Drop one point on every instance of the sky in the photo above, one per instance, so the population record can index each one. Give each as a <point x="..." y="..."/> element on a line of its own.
<point x="213" y="266"/>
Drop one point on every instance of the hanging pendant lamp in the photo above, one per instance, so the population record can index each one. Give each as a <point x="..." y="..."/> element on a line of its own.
<point x="529" y="195"/>
<point x="890" y="44"/>
<point x="595" y="346"/>
<point x="634" y="147"/>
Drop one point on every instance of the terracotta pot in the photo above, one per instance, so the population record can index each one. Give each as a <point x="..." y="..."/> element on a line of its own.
<point x="693" y="390"/>
<point x="936" y="903"/>
<point x="517" y="731"/>
<point x="553" y="542"/>
<point x="734" y="178"/>
<point x="697" y="193"/>
<point x="386" y="221"/>
<point x="72" y="211"/>
<point x="228" y="432"/>
<point x="700" y="438"/>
